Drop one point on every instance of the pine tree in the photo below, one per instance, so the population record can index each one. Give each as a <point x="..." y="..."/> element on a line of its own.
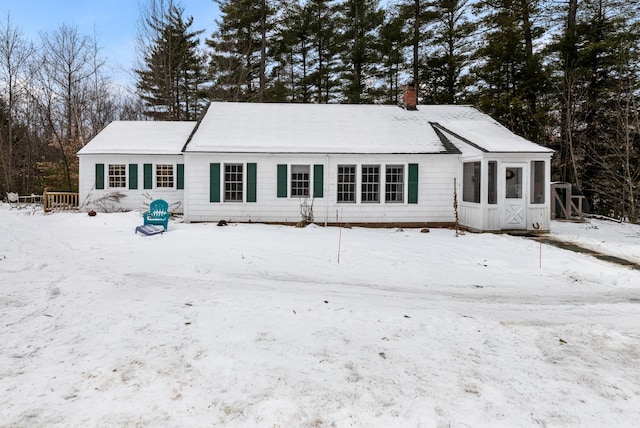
<point x="449" y="52"/>
<point x="324" y="37"/>
<point x="566" y="47"/>
<point x="303" y="51"/>
<point x="391" y="47"/>
<point x="417" y="16"/>
<point x="291" y="49"/>
<point x="171" y="82"/>
<point x="239" y="59"/>
<point x="510" y="75"/>
<point x="605" y="116"/>
<point x="360" y="21"/>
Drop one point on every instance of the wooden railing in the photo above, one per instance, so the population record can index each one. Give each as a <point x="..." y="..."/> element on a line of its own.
<point x="569" y="205"/>
<point x="60" y="201"/>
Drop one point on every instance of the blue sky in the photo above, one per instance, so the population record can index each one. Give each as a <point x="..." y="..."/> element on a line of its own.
<point x="114" y="22"/>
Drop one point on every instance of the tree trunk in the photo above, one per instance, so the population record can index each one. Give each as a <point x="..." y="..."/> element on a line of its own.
<point x="263" y="51"/>
<point x="568" y="162"/>
<point x="416" y="48"/>
<point x="528" y="42"/>
<point x="357" y="65"/>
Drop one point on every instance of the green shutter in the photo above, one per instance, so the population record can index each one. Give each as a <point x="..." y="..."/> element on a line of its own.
<point x="282" y="181"/>
<point x="251" y="182"/>
<point x="180" y="184"/>
<point x="318" y="181"/>
<point x="214" y="182"/>
<point x="413" y="183"/>
<point x="133" y="176"/>
<point x="100" y="176"/>
<point x="148" y="176"/>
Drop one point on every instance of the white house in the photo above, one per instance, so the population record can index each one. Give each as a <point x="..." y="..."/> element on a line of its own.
<point x="357" y="164"/>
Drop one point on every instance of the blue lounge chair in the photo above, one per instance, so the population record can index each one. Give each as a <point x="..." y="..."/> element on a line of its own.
<point x="158" y="214"/>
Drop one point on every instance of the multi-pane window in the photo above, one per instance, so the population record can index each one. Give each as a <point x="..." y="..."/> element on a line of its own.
<point x="233" y="182"/>
<point x="394" y="187"/>
<point x="346" y="183"/>
<point x="117" y="176"/>
<point x="300" y="180"/>
<point x="537" y="182"/>
<point x="370" y="183"/>
<point x="164" y="175"/>
<point x="471" y="182"/>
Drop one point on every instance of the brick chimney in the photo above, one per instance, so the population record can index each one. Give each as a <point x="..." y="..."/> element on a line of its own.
<point x="409" y="96"/>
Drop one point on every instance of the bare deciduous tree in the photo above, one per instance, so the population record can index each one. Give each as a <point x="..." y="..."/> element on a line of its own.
<point x="68" y="90"/>
<point x="15" y="52"/>
<point x="616" y="153"/>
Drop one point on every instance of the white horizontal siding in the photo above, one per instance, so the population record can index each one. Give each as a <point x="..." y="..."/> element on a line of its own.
<point x="435" y="190"/>
<point x="136" y="199"/>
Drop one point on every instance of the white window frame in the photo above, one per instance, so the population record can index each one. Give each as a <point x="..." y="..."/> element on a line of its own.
<point x="369" y="189"/>
<point x="233" y="182"/>
<point x="300" y="187"/>
<point x="346" y="190"/>
<point x="394" y="184"/>
<point x="165" y="180"/>
<point x="117" y="176"/>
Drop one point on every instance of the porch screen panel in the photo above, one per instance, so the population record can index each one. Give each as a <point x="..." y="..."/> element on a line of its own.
<point x="148" y="176"/>
<point x="99" y="176"/>
<point x="282" y="181"/>
<point x="471" y="182"/>
<point x="412" y="196"/>
<point x="492" y="185"/>
<point x="318" y="181"/>
<point x="252" y="182"/>
<point x="133" y="176"/>
<point x="214" y="182"/>
<point x="180" y="182"/>
<point x="537" y="182"/>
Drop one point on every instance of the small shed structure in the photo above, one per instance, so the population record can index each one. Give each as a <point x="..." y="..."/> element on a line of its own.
<point x="357" y="164"/>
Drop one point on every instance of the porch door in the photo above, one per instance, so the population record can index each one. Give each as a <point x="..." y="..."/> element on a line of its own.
<point x="514" y="207"/>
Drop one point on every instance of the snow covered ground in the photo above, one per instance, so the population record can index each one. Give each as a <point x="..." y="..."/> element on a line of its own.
<point x="608" y="237"/>
<point x="256" y="325"/>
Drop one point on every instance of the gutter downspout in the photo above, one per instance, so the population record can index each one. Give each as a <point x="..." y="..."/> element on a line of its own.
<point x="326" y="193"/>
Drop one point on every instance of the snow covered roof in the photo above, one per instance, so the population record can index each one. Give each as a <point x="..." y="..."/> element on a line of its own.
<point x="140" y="137"/>
<point x="487" y="135"/>
<point x="315" y="128"/>
<point x="349" y="128"/>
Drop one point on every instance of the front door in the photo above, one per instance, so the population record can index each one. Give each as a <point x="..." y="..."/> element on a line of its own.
<point x="514" y="211"/>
